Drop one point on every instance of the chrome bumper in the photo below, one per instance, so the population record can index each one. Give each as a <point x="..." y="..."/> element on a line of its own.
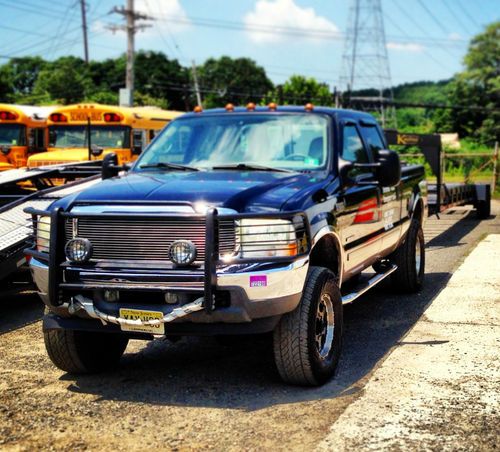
<point x="285" y="281"/>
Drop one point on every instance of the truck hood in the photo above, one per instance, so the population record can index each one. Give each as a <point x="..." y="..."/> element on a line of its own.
<point x="239" y="190"/>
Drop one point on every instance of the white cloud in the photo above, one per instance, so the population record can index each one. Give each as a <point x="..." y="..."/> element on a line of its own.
<point x="168" y="13"/>
<point x="406" y="47"/>
<point x="455" y="36"/>
<point x="269" y="14"/>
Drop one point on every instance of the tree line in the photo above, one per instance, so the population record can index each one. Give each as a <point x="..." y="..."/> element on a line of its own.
<point x="164" y="82"/>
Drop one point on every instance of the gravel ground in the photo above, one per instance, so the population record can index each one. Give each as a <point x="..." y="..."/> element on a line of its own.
<point x="197" y="394"/>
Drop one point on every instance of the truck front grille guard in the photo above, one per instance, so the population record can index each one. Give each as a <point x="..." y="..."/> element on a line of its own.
<point x="56" y="258"/>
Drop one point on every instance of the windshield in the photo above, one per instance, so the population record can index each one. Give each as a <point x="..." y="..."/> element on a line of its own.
<point x="76" y="136"/>
<point x="289" y="141"/>
<point x="13" y="134"/>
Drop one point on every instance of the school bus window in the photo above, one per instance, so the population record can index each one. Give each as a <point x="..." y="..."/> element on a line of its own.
<point x="77" y="136"/>
<point x="13" y="134"/>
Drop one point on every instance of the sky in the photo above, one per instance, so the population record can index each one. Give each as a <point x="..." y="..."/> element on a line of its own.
<point x="425" y="39"/>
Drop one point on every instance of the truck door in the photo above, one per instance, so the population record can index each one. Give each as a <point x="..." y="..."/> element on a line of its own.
<point x="391" y="196"/>
<point x="360" y="224"/>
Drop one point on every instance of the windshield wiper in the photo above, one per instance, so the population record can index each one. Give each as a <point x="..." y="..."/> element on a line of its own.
<point x="173" y="166"/>
<point x="250" y="167"/>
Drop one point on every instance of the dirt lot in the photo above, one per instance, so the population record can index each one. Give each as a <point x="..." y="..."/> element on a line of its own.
<point x="197" y="394"/>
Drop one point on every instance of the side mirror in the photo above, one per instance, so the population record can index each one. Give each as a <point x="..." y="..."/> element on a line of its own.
<point x="345" y="166"/>
<point x="389" y="169"/>
<point x="110" y="166"/>
<point x="5" y="150"/>
<point x="95" y="150"/>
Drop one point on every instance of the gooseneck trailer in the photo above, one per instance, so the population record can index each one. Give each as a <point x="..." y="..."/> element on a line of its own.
<point x="443" y="195"/>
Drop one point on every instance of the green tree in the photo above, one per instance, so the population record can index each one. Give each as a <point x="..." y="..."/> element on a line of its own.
<point x="65" y="81"/>
<point x="479" y="85"/>
<point x="227" y="80"/>
<point x="25" y="71"/>
<point x="6" y="84"/>
<point x="299" y="90"/>
<point x="161" y="80"/>
<point x="108" y="75"/>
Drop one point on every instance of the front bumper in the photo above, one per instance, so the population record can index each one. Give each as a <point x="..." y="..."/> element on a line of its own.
<point x="253" y="292"/>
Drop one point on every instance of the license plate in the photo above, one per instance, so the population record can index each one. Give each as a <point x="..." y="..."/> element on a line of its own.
<point x="137" y="314"/>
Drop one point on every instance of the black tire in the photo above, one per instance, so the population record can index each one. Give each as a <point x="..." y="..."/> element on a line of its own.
<point x="81" y="352"/>
<point x="298" y="354"/>
<point x="409" y="276"/>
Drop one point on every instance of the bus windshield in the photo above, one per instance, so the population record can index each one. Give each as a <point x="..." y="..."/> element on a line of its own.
<point x="13" y="134"/>
<point x="288" y="141"/>
<point x="77" y="136"/>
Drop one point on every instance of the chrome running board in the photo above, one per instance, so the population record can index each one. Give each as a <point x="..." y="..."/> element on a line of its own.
<point x="349" y="298"/>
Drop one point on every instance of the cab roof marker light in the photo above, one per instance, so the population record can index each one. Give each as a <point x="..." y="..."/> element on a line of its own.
<point x="272" y="106"/>
<point x="229" y="107"/>
<point x="198" y="109"/>
<point x="309" y="107"/>
<point x="251" y="106"/>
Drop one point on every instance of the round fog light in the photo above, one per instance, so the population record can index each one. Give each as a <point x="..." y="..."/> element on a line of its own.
<point x="182" y="252"/>
<point x="78" y="250"/>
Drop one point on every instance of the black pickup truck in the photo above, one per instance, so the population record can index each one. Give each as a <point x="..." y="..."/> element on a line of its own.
<point x="233" y="221"/>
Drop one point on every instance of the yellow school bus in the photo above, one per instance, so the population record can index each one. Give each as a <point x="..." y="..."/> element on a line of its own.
<point x="22" y="133"/>
<point x="122" y="130"/>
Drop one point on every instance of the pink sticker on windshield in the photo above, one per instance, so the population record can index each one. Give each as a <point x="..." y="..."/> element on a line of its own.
<point x="258" y="281"/>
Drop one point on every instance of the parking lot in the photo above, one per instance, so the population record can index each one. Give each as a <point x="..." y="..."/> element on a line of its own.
<point x="197" y="393"/>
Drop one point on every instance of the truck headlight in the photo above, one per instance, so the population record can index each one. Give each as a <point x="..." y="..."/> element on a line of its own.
<point x="43" y="234"/>
<point x="261" y="237"/>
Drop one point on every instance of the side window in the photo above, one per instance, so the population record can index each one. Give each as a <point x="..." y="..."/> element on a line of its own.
<point x="372" y="138"/>
<point x="352" y="148"/>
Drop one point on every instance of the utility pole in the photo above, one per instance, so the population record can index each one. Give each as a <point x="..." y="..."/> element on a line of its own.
<point x="196" y="86"/>
<point x="84" y="29"/>
<point x="131" y="28"/>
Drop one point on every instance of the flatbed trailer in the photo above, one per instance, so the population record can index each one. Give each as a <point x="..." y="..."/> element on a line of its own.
<point x="441" y="195"/>
<point x="37" y="188"/>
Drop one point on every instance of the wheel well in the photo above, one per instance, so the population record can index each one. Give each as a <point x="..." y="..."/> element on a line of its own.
<point x="418" y="211"/>
<point x="326" y="254"/>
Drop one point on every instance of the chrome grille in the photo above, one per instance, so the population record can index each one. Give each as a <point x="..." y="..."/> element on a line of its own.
<point x="147" y="239"/>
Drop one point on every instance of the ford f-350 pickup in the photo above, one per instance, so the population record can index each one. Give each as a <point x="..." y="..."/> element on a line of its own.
<point x="233" y="221"/>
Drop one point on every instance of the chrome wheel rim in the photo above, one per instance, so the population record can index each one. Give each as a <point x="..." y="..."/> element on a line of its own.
<point x="418" y="255"/>
<point x="324" y="326"/>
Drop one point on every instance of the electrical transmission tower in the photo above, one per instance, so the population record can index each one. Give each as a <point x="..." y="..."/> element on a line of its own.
<point x="131" y="27"/>
<point x="365" y="64"/>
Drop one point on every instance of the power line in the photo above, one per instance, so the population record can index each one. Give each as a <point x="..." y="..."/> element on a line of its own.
<point x="439" y="63"/>
<point x="432" y="16"/>
<point x="455" y="15"/>
<point x="294" y="31"/>
<point x="466" y="13"/>
<point x="32" y="10"/>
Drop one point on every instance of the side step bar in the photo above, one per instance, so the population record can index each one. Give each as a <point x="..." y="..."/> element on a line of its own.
<point x="350" y="297"/>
